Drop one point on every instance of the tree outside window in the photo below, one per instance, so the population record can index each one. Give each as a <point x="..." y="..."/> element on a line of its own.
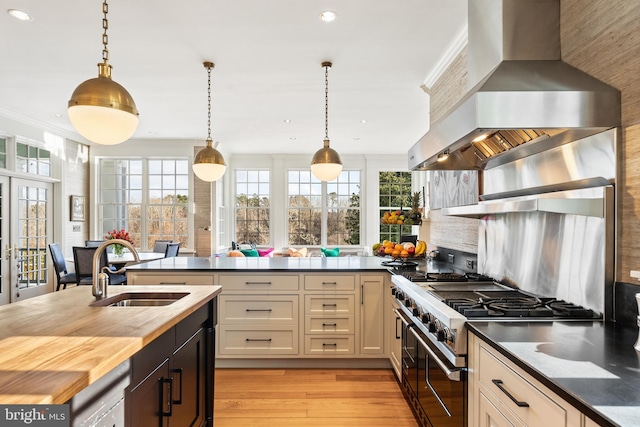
<point x="253" y="207"/>
<point x="323" y="213"/>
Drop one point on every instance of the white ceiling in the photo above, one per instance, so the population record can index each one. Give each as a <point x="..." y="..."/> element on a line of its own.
<point x="268" y="57"/>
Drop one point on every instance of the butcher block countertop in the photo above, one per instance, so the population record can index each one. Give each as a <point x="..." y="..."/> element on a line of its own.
<point x="55" y="345"/>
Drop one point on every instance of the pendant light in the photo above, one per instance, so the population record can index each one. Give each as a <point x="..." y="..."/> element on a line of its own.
<point x="326" y="164"/>
<point x="100" y="109"/>
<point x="208" y="164"/>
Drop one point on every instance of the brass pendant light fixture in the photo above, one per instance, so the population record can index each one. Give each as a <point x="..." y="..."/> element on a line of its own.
<point x="100" y="109"/>
<point x="208" y="164"/>
<point x="326" y="164"/>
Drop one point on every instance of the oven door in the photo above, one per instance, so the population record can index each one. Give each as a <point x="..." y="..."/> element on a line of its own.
<point x="441" y="388"/>
<point x="409" y="355"/>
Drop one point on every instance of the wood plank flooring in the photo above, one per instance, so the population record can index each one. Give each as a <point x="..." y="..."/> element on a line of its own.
<point x="309" y="397"/>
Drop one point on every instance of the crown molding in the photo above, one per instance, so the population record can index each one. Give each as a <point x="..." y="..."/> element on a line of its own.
<point x="39" y="125"/>
<point x="453" y="50"/>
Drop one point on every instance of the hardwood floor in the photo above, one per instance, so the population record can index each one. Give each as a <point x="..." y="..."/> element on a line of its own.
<point x="309" y="397"/>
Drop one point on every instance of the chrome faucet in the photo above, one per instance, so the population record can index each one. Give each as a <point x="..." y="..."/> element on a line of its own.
<point x="100" y="278"/>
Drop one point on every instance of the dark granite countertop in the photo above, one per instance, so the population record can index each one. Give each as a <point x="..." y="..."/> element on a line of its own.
<point x="248" y="264"/>
<point x="591" y="365"/>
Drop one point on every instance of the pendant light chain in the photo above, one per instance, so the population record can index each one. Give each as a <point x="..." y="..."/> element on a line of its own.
<point x="105" y="37"/>
<point x="326" y="102"/>
<point x="209" y="103"/>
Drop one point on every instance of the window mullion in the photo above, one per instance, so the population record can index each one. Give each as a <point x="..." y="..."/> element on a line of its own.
<point x="144" y="224"/>
<point x="325" y="215"/>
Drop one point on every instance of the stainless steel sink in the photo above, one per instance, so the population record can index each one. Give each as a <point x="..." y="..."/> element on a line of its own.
<point x="140" y="299"/>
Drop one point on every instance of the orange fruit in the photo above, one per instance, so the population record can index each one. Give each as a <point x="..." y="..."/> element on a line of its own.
<point x="398" y="247"/>
<point x="395" y="253"/>
<point x="388" y="250"/>
<point x="404" y="254"/>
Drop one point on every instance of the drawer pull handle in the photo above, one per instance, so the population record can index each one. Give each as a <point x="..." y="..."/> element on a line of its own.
<point x="329" y="305"/>
<point x="324" y="344"/>
<point x="499" y="383"/>
<point x="330" y="324"/>
<point x="173" y="283"/>
<point x="329" y="283"/>
<point x="257" y="283"/>
<point x="258" y="339"/>
<point x="258" y="309"/>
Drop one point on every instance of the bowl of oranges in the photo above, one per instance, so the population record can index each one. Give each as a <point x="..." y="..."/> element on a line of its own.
<point x="400" y="250"/>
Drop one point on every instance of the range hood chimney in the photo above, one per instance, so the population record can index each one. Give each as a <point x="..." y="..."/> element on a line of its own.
<point x="524" y="99"/>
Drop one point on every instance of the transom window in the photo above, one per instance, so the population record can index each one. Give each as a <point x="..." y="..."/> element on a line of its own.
<point x="148" y="198"/>
<point x="252" y="208"/>
<point x="30" y="159"/>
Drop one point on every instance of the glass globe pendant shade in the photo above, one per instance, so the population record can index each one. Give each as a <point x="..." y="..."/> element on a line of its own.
<point x="103" y="111"/>
<point x="209" y="164"/>
<point x="326" y="164"/>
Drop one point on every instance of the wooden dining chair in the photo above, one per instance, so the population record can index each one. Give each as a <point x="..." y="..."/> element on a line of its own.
<point x="83" y="259"/>
<point x="63" y="277"/>
<point x="172" y="250"/>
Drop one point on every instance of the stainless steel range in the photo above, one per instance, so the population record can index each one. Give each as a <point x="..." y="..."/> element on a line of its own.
<point x="434" y="335"/>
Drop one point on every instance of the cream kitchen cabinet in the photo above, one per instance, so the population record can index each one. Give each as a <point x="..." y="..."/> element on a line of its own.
<point x="141" y="277"/>
<point x="502" y="394"/>
<point x="259" y="315"/>
<point x="301" y="315"/>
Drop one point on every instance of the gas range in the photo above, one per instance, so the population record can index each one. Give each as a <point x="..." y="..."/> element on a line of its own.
<point x="441" y="309"/>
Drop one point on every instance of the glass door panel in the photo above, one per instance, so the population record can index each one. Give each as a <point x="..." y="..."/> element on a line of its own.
<point x="5" y="242"/>
<point x="31" y="229"/>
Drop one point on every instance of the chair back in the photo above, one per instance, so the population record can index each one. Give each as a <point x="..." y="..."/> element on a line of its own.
<point x="59" y="264"/>
<point x="160" y="246"/>
<point x="83" y="259"/>
<point x="172" y="250"/>
<point x="96" y="243"/>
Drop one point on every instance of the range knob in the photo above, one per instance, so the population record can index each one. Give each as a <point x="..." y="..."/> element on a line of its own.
<point x="432" y="327"/>
<point x="416" y="312"/>
<point x="408" y="303"/>
<point x="425" y="317"/>
<point x="441" y="335"/>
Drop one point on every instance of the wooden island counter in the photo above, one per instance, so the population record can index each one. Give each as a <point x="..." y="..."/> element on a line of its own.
<point x="58" y="345"/>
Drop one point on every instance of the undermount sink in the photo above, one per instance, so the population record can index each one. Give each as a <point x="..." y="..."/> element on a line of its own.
<point x="140" y="299"/>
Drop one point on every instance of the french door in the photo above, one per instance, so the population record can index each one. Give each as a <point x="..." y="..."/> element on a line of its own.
<point x="26" y="228"/>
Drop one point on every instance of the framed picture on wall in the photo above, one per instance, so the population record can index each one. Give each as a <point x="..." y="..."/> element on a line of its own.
<point x="77" y="208"/>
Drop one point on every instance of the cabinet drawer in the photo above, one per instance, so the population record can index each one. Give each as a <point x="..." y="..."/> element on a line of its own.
<point x="343" y="344"/>
<point x="170" y="279"/>
<point x="502" y="382"/>
<point x="329" y="283"/>
<point x="320" y="304"/>
<point x="259" y="282"/>
<point x="258" y="340"/>
<point x="259" y="309"/>
<point x="329" y="324"/>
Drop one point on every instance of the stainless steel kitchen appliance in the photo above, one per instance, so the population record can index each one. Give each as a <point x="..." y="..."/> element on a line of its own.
<point x="434" y="335"/>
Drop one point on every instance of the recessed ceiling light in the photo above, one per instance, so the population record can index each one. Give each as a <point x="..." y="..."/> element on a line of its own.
<point x="356" y="139"/>
<point x="19" y="14"/>
<point x="293" y="138"/>
<point x="287" y="120"/>
<point x="363" y="121"/>
<point x="328" y="16"/>
<point x="56" y="115"/>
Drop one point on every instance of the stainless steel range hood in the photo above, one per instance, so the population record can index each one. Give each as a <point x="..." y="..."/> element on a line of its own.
<point x="528" y="100"/>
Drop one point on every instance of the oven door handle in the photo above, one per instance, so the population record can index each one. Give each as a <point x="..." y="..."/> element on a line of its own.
<point x="452" y="374"/>
<point x="401" y="316"/>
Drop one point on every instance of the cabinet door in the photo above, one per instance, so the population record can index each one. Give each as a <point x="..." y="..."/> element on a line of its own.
<point x="148" y="403"/>
<point x="371" y="314"/>
<point x="490" y="416"/>
<point x="187" y="370"/>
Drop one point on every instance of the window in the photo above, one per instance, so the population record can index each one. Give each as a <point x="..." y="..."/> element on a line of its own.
<point x="395" y="195"/>
<point x="148" y="198"/>
<point x="252" y="210"/>
<point x="3" y="153"/>
<point x="30" y="159"/>
<point x="323" y="213"/>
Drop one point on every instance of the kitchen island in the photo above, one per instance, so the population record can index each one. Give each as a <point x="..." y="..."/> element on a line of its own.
<point x="306" y="312"/>
<point x="591" y="365"/>
<point x="55" y="347"/>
